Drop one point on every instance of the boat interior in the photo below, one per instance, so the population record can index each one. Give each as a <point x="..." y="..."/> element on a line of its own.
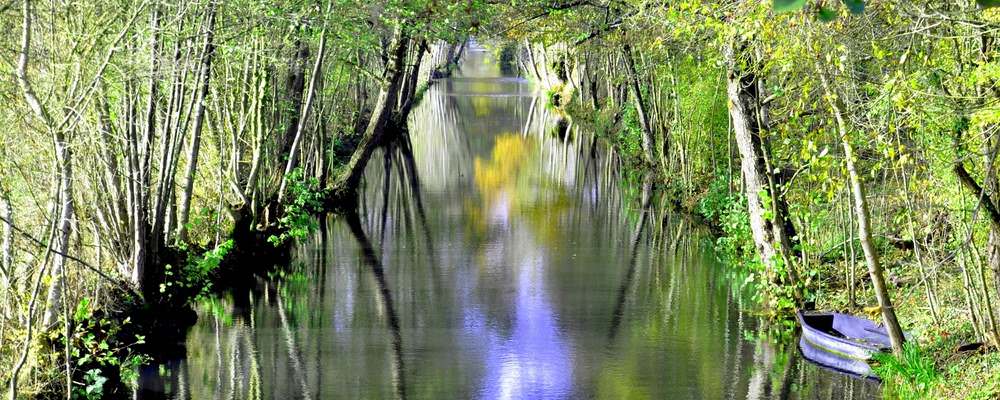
<point x="850" y="328"/>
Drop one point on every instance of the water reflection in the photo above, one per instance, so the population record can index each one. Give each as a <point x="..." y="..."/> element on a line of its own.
<point x="497" y="253"/>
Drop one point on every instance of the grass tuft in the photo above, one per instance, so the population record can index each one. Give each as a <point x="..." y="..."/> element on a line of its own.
<point x="910" y="376"/>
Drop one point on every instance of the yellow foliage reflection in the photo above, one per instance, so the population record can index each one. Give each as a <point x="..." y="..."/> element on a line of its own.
<point x="499" y="175"/>
<point x="511" y="184"/>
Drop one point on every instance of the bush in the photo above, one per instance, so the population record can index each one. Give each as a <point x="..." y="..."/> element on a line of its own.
<point x="628" y="139"/>
<point x="728" y="212"/>
<point x="100" y="349"/>
<point x="306" y="201"/>
<point x="193" y="279"/>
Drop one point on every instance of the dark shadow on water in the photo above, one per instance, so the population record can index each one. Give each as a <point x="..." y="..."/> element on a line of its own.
<point x="623" y="289"/>
<point x="370" y="258"/>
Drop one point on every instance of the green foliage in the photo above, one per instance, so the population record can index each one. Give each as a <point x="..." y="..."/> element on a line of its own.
<point x="910" y="376"/>
<point x="555" y="97"/>
<point x="628" y="139"/>
<point x="508" y="58"/>
<point x="856" y="6"/>
<point x="988" y="3"/>
<point x="788" y="5"/>
<point x="306" y="200"/>
<point x="826" y="14"/>
<point x="193" y="280"/>
<point x="93" y="386"/>
<point x="97" y="348"/>
<point x="735" y="246"/>
<point x="728" y="211"/>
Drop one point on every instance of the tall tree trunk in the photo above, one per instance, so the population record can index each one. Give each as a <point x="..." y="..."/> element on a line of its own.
<point x="648" y="141"/>
<point x="381" y="117"/>
<point x="167" y="161"/>
<point x="64" y="164"/>
<point x="989" y="204"/>
<point x="6" y="238"/>
<point x="294" y="90"/>
<point x="991" y="187"/>
<point x="531" y="60"/>
<point x="896" y="337"/>
<point x="990" y="148"/>
<point x="412" y="82"/>
<point x="140" y="222"/>
<point x="772" y="237"/>
<point x="184" y="209"/>
<point x="675" y="109"/>
<point x="871" y="255"/>
<point x="64" y="172"/>
<point x="303" y="116"/>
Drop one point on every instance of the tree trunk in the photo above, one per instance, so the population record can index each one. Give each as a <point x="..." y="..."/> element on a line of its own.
<point x="303" y="116"/>
<point x="294" y="90"/>
<point x="140" y="223"/>
<point x="381" y="117"/>
<point x="6" y="238"/>
<point x="990" y="187"/>
<point x="896" y="337"/>
<point x="990" y="148"/>
<point x="412" y="82"/>
<point x="640" y="107"/>
<point x="64" y="172"/>
<point x="871" y="255"/>
<point x="167" y="163"/>
<point x="199" y="119"/>
<point x="772" y="237"/>
<point x="675" y="109"/>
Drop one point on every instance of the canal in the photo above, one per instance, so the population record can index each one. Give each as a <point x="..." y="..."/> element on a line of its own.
<point x="498" y="252"/>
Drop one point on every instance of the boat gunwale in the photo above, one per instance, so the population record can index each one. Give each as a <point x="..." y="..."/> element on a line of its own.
<point x="806" y="327"/>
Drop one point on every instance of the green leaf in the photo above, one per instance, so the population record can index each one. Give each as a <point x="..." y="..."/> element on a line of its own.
<point x="826" y="14"/>
<point x="782" y="6"/>
<point x="988" y="3"/>
<point x="856" y="6"/>
<point x="82" y="310"/>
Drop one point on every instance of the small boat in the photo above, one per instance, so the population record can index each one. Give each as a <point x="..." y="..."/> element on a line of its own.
<point x="842" y="342"/>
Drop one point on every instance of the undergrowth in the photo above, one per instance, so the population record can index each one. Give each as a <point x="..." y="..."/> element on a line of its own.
<point x="909" y="376"/>
<point x="298" y="219"/>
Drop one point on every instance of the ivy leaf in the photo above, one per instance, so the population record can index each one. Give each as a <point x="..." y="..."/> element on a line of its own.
<point x="988" y="3"/>
<point x="826" y="14"/>
<point x="858" y="6"/>
<point x="782" y="6"/>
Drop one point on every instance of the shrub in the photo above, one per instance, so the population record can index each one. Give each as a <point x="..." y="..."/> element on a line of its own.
<point x="99" y="348"/>
<point x="192" y="280"/>
<point x="306" y="200"/>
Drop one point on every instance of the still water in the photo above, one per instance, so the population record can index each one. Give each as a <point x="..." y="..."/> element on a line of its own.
<point x="498" y="253"/>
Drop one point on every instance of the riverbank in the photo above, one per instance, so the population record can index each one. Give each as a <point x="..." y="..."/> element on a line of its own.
<point x="950" y="363"/>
